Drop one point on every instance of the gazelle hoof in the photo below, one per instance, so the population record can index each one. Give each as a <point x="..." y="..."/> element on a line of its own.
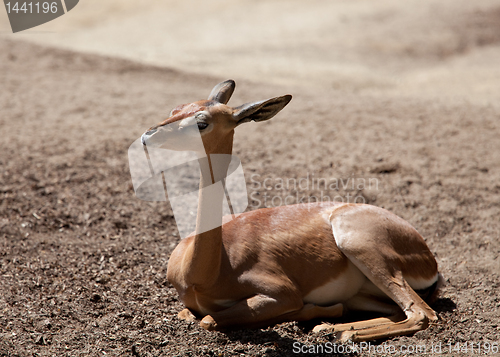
<point x="346" y="336"/>
<point x="208" y="323"/>
<point x="323" y="328"/>
<point x="186" y="315"/>
<point x="338" y="336"/>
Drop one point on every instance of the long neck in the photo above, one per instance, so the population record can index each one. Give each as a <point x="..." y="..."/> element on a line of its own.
<point x="204" y="256"/>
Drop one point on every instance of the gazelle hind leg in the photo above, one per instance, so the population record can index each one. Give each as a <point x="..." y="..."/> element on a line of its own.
<point x="366" y="302"/>
<point x="417" y="314"/>
<point x="359" y="325"/>
<point x="382" y="246"/>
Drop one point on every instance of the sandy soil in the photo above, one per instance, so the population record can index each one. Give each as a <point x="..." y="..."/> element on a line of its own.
<point x="404" y="104"/>
<point x="420" y="48"/>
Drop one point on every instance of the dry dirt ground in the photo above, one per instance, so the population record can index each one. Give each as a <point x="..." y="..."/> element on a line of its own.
<point x="83" y="261"/>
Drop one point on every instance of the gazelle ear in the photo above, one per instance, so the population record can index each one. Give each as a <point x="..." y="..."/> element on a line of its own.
<point x="260" y="111"/>
<point x="222" y="91"/>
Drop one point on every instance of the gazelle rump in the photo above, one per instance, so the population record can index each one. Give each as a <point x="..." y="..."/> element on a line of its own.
<point x="296" y="262"/>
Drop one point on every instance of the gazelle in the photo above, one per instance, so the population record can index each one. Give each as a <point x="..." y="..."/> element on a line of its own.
<point x="296" y="262"/>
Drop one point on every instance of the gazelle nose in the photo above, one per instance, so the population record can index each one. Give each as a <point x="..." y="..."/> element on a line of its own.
<point x="147" y="134"/>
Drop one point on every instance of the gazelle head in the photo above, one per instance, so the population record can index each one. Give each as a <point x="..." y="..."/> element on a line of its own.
<point x="213" y="119"/>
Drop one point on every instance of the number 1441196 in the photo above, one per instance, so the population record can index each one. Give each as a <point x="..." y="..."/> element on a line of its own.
<point x="473" y="347"/>
<point x="34" y="7"/>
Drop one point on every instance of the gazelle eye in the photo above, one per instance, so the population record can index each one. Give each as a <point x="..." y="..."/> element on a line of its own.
<point x="200" y="121"/>
<point x="202" y="125"/>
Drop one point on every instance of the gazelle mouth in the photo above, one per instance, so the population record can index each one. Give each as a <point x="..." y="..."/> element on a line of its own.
<point x="145" y="137"/>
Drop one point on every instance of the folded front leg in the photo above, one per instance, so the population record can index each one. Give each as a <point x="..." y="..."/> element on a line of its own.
<point x="257" y="311"/>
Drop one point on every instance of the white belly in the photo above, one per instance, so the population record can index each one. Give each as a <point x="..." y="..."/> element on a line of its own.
<point x="339" y="289"/>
